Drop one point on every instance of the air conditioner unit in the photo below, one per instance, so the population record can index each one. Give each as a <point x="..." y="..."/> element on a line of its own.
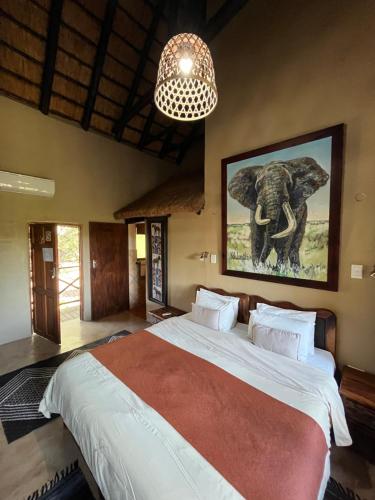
<point x="26" y="184"/>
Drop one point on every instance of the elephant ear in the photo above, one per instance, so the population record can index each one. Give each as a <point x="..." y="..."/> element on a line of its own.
<point x="307" y="175"/>
<point x="242" y="186"/>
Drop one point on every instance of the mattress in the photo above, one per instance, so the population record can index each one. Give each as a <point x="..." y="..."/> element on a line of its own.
<point x="121" y="436"/>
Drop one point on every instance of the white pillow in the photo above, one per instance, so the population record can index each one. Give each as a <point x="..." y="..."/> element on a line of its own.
<point x="206" y="317"/>
<point x="217" y="298"/>
<point x="279" y="341"/>
<point x="308" y="316"/>
<point x="283" y="323"/>
<point x="226" y="310"/>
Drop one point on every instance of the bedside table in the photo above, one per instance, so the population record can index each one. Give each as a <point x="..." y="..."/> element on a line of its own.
<point x="357" y="390"/>
<point x="157" y="315"/>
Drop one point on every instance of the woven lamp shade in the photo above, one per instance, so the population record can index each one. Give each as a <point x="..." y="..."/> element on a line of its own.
<point x="185" y="88"/>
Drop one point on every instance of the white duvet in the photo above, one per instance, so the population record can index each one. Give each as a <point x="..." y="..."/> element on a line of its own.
<point x="134" y="453"/>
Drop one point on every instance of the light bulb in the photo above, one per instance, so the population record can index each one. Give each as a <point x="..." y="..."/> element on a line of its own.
<point x="185" y="64"/>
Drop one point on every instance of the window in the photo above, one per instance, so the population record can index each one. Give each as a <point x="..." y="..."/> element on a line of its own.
<point x="140" y="244"/>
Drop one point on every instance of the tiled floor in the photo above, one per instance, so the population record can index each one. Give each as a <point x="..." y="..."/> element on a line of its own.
<point x="74" y="333"/>
<point x="32" y="460"/>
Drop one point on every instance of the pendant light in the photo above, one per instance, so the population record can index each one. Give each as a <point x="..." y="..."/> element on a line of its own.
<point x="185" y="88"/>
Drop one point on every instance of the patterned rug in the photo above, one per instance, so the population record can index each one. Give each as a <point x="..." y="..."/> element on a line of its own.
<point x="22" y="390"/>
<point x="336" y="491"/>
<point x="68" y="484"/>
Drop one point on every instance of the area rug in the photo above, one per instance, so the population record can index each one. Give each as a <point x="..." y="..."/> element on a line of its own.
<point x="22" y="390"/>
<point x="68" y="484"/>
<point x="336" y="491"/>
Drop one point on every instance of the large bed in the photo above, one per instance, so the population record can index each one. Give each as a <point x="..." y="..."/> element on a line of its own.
<point x="184" y="411"/>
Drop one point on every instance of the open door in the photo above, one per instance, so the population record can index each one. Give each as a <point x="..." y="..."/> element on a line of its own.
<point x="109" y="269"/>
<point x="44" y="281"/>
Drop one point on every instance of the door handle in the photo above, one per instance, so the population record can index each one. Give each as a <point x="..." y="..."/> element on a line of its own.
<point x="94" y="264"/>
<point x="53" y="273"/>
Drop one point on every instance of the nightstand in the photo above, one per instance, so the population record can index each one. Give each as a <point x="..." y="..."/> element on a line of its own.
<point x="157" y="315"/>
<point x="357" y="389"/>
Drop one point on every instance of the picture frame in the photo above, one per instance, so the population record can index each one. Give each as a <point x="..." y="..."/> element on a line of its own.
<point x="281" y="211"/>
<point x="157" y="259"/>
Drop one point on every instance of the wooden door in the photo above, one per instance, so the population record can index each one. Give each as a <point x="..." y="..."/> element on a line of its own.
<point x="109" y="269"/>
<point x="44" y="268"/>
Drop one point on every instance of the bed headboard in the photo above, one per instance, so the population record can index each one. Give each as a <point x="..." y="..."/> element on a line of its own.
<point x="325" y="327"/>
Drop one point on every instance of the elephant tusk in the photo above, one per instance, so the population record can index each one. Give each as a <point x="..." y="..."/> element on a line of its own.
<point x="292" y="224"/>
<point x="258" y="217"/>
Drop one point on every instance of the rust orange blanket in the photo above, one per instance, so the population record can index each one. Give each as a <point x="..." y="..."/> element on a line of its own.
<point x="266" y="449"/>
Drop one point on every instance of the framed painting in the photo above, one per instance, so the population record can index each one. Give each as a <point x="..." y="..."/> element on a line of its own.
<point x="281" y="209"/>
<point x="157" y="259"/>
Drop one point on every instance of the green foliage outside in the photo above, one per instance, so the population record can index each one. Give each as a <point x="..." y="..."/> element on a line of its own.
<point x="313" y="252"/>
<point x="68" y="245"/>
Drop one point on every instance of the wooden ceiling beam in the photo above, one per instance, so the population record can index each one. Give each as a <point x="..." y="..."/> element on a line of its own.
<point x="166" y="147"/>
<point x="118" y="128"/>
<point x="172" y="8"/>
<point x="99" y="63"/>
<point x="146" y="130"/>
<point x="50" y="55"/>
<point x="156" y="137"/>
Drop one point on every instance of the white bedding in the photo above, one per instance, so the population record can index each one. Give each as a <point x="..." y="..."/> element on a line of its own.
<point x="134" y="453"/>
<point x="321" y="359"/>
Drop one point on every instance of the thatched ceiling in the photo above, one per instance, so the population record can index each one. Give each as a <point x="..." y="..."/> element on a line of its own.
<point x="95" y="62"/>
<point x="179" y="194"/>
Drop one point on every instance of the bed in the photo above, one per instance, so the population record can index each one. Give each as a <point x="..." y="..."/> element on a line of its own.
<point x="183" y="411"/>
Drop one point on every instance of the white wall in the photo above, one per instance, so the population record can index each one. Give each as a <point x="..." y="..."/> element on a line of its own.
<point x="94" y="177"/>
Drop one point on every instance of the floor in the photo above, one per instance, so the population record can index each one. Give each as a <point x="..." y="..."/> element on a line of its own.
<point x="70" y="311"/>
<point x="74" y="333"/>
<point x="26" y="464"/>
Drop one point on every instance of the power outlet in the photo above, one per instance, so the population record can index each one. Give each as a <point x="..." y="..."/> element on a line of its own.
<point x="213" y="258"/>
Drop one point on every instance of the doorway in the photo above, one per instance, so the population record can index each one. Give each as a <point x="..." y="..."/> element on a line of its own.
<point x="108" y="269"/>
<point x="137" y="269"/>
<point x="69" y="272"/>
<point x="55" y="278"/>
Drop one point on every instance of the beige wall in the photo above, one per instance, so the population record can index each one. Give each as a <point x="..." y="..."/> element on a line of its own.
<point x="94" y="177"/>
<point x="284" y="69"/>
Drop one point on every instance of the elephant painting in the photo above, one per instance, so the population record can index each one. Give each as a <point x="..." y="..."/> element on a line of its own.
<point x="276" y="195"/>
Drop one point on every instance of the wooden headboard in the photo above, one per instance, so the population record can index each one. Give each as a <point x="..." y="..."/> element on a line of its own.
<point x="325" y="327"/>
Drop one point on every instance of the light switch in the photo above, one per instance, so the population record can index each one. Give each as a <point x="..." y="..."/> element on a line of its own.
<point x="213" y="258"/>
<point x="357" y="271"/>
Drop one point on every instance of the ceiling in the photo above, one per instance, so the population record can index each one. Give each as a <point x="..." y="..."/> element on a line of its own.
<point x="94" y="62"/>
